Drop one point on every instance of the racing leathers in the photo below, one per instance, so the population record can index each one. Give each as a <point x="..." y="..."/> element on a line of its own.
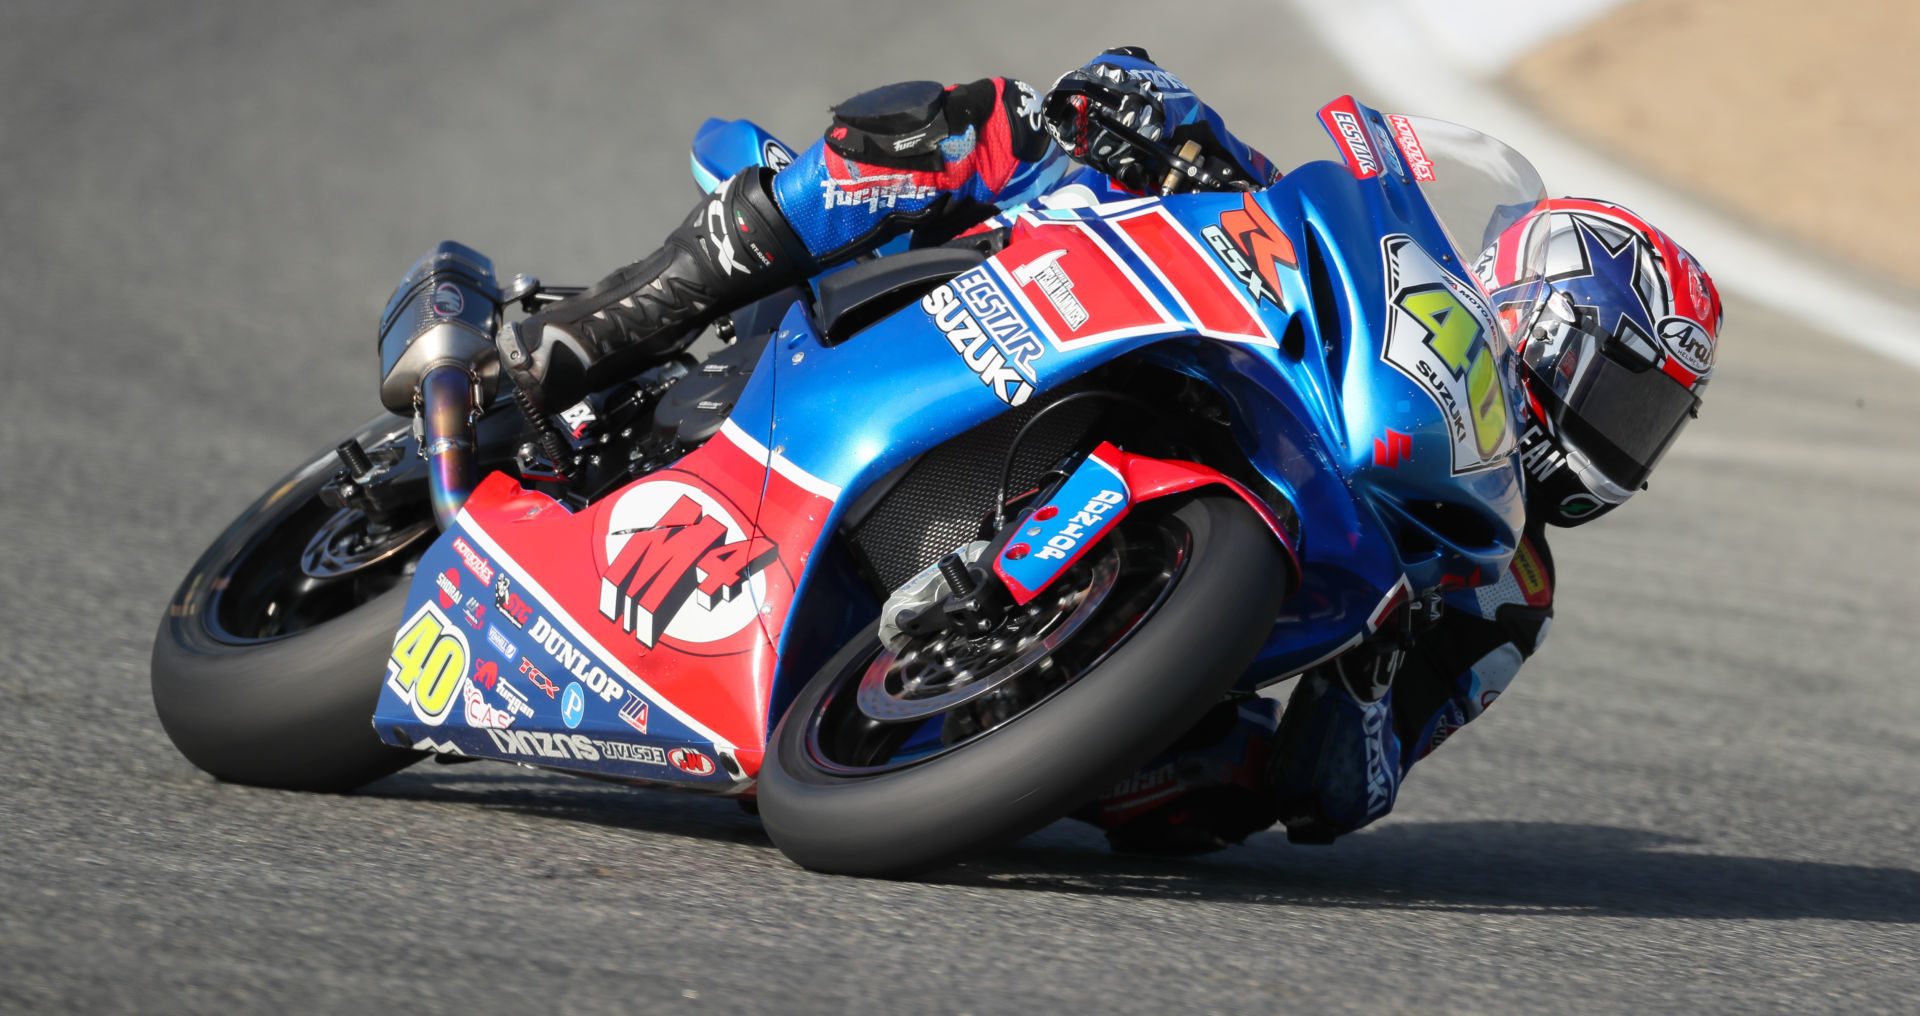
<point x="936" y="161"/>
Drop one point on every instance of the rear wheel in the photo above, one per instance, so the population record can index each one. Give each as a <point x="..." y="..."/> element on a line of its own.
<point x="895" y="760"/>
<point x="268" y="664"/>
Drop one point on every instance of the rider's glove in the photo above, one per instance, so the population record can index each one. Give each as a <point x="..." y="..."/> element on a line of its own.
<point x="1083" y="97"/>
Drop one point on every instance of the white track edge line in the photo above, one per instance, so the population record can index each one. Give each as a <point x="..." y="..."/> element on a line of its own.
<point x="1379" y="42"/>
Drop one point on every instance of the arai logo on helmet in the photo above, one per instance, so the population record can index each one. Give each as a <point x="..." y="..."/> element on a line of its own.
<point x="447" y="301"/>
<point x="1689" y="343"/>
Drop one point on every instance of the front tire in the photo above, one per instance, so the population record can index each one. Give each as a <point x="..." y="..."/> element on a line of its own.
<point x="262" y="675"/>
<point x="1169" y="666"/>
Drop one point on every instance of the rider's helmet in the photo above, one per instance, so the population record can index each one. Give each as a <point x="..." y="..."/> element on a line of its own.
<point x="1613" y="354"/>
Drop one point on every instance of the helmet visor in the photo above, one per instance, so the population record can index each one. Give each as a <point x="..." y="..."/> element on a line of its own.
<point x="1606" y="394"/>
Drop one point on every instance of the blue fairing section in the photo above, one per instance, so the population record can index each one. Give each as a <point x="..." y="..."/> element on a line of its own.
<point x="722" y="148"/>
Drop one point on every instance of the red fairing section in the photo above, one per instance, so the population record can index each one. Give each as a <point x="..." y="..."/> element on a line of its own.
<point x="678" y="582"/>
<point x="1081" y="292"/>
<point x="1150" y="478"/>
<point x="1343" y="122"/>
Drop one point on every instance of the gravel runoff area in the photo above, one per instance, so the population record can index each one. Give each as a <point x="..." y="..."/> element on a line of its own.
<point x="1794" y="116"/>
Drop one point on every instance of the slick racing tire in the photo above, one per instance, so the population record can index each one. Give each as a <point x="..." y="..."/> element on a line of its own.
<point x="841" y="792"/>
<point x="264" y="675"/>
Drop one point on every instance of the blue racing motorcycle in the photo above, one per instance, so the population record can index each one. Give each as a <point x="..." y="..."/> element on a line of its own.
<point x="921" y="556"/>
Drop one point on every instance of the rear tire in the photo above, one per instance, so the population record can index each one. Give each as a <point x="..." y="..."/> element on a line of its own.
<point x="293" y="709"/>
<point x="1033" y="768"/>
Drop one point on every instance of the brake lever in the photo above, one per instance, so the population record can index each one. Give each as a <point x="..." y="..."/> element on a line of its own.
<point x="1185" y="164"/>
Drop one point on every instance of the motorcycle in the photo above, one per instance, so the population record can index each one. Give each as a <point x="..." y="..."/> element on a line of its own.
<point x="930" y="551"/>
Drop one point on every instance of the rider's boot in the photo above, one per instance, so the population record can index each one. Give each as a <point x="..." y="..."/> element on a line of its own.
<point x="735" y="247"/>
<point x="1336" y="764"/>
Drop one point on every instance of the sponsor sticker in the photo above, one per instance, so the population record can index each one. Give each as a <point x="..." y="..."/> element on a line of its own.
<point x="573" y="705"/>
<point x="501" y="644"/>
<point x="481" y="568"/>
<point x="1440" y="335"/>
<point x="512" y="607"/>
<point x="448" y="583"/>
<point x="574" y="661"/>
<point x="1055" y="284"/>
<point x="1354" y="139"/>
<point x="691" y="761"/>
<point x="634" y="712"/>
<point x="1417" y="161"/>
<point x="989" y="335"/>
<point x="538" y="678"/>
<point x="679" y="566"/>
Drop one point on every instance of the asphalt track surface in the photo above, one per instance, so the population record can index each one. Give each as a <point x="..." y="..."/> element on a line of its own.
<point x="1700" y="797"/>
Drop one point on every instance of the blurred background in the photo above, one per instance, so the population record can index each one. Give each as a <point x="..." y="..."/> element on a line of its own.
<point x="1699" y="796"/>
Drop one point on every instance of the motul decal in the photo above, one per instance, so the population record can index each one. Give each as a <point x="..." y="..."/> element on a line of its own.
<point x="678" y="563"/>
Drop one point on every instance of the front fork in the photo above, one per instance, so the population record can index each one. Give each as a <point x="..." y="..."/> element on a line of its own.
<point x="1046" y="539"/>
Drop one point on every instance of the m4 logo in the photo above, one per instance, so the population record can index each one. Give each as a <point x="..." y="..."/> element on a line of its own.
<point x="684" y="556"/>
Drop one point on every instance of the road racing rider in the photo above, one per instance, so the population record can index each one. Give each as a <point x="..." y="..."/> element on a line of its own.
<point x="1613" y="365"/>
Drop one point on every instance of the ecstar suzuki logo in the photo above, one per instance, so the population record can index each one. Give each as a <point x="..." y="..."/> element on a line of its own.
<point x="1349" y="127"/>
<point x="679" y="566"/>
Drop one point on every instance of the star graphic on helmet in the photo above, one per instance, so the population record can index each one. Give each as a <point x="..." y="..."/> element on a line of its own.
<point x="1610" y="269"/>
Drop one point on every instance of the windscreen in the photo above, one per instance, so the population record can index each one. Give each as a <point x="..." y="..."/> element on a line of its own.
<point x="1479" y="188"/>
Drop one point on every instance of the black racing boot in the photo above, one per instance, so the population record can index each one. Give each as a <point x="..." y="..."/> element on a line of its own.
<point x="734" y="248"/>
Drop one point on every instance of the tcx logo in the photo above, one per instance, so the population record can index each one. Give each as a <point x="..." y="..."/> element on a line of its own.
<point x="1062" y="544"/>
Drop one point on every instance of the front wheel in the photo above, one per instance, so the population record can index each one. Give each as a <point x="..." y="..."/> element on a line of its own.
<point x="268" y="664"/>
<point x="895" y="760"/>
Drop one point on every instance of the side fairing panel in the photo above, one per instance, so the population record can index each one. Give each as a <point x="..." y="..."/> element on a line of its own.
<point x="631" y="639"/>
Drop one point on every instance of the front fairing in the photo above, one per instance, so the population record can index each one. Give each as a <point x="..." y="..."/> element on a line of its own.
<point x="1323" y="370"/>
